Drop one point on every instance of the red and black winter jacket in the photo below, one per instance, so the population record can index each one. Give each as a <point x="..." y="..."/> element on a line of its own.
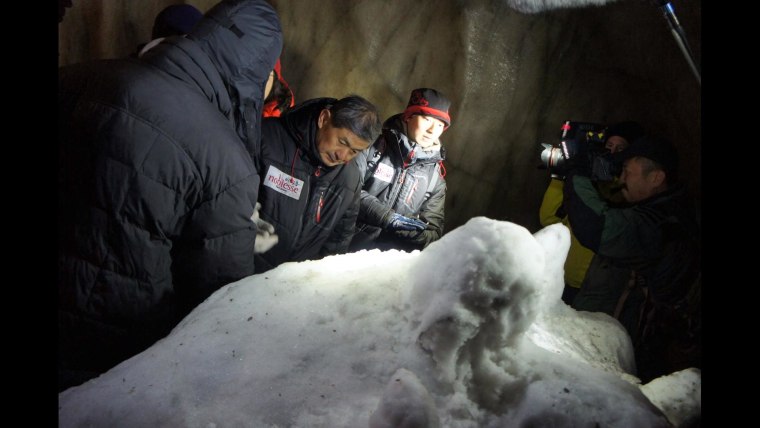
<point x="399" y="177"/>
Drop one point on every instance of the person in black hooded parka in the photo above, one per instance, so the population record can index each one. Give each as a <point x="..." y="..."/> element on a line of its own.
<point x="157" y="185"/>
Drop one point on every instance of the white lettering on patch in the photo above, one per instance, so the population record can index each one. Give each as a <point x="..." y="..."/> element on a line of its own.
<point x="384" y="172"/>
<point x="283" y="183"/>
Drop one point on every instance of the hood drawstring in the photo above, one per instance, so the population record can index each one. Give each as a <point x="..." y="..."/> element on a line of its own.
<point x="293" y="165"/>
<point x="409" y="157"/>
<point x="320" y="205"/>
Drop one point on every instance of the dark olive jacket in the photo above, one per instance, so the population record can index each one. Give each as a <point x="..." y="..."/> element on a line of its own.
<point x="651" y="247"/>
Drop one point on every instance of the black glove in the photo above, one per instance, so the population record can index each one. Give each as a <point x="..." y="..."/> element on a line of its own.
<point x="399" y="222"/>
<point x="579" y="162"/>
<point x="605" y="168"/>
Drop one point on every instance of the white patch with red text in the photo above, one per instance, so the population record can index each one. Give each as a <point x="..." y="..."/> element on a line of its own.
<point x="283" y="183"/>
<point x="384" y="172"/>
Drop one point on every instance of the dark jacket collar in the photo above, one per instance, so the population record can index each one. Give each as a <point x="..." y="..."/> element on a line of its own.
<point x="676" y="206"/>
<point x="301" y="123"/>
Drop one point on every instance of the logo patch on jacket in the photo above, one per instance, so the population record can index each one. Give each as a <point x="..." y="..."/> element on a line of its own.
<point x="283" y="183"/>
<point x="384" y="172"/>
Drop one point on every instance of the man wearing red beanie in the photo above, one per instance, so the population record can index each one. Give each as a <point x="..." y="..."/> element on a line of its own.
<point x="404" y="190"/>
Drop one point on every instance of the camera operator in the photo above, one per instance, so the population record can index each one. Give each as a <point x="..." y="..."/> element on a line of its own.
<point x="617" y="137"/>
<point x="646" y="268"/>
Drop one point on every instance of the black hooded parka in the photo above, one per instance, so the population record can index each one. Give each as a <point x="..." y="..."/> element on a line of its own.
<point x="157" y="184"/>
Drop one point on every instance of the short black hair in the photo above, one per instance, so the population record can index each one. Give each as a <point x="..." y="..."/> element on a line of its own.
<point x="281" y="94"/>
<point x="358" y="116"/>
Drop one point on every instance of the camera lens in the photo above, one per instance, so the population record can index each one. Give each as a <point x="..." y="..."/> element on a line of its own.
<point x="552" y="156"/>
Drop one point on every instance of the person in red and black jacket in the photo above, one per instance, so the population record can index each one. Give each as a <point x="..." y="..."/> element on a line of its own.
<point x="309" y="185"/>
<point x="404" y="189"/>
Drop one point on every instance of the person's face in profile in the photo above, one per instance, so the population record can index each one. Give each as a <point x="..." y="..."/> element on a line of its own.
<point x="337" y="146"/>
<point x="616" y="144"/>
<point x="639" y="180"/>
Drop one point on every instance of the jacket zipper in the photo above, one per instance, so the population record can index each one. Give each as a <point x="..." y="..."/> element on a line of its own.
<point x="411" y="193"/>
<point x="320" y="205"/>
<point x="396" y="191"/>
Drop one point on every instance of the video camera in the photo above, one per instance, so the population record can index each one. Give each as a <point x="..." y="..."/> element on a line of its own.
<point x="579" y="139"/>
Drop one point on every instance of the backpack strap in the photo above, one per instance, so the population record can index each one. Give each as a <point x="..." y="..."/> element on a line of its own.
<point x="374" y="159"/>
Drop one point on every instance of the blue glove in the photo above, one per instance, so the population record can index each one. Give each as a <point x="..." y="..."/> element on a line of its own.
<point x="399" y="222"/>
